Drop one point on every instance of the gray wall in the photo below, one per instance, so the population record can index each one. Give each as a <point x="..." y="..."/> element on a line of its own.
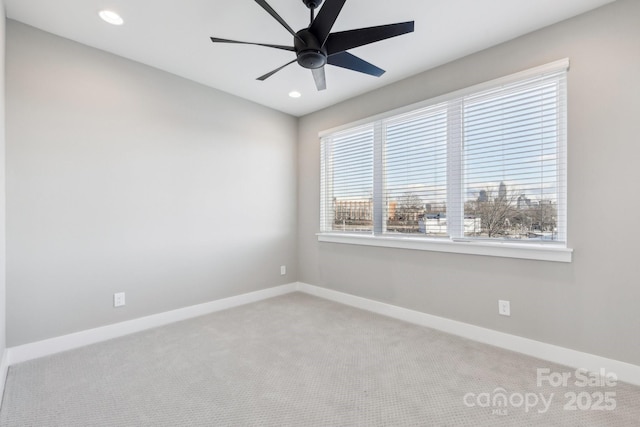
<point x="121" y="177"/>
<point x="590" y="305"/>
<point x="2" y="189"/>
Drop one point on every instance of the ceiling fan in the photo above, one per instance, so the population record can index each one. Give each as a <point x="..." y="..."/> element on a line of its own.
<point x="316" y="46"/>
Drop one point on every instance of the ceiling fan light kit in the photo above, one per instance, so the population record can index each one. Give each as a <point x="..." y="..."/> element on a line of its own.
<point x="316" y="46"/>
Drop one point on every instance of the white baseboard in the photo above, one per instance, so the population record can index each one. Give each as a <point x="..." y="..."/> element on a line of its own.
<point x="560" y="355"/>
<point x="4" y="369"/>
<point x="50" y="346"/>
<point x="624" y="371"/>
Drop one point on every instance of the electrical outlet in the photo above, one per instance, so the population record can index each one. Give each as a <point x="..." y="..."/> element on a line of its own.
<point x="504" y="308"/>
<point x="283" y="270"/>
<point x="118" y="299"/>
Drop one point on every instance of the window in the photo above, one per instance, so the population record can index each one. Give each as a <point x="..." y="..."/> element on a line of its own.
<point x="348" y="172"/>
<point x="415" y="172"/>
<point x="485" y="165"/>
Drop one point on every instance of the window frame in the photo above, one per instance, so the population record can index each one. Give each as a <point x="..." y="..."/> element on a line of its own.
<point x="546" y="251"/>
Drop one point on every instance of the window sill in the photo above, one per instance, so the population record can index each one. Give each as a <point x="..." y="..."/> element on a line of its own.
<point x="541" y="252"/>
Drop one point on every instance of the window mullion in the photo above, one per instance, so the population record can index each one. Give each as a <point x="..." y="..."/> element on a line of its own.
<point x="379" y="207"/>
<point x="455" y="207"/>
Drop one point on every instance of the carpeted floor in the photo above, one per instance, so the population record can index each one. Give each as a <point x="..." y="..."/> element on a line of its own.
<point x="297" y="360"/>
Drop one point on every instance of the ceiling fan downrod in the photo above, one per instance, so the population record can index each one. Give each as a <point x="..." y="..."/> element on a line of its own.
<point x="312" y="5"/>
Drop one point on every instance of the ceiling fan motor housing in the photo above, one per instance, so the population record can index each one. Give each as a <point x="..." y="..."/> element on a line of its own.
<point x="310" y="54"/>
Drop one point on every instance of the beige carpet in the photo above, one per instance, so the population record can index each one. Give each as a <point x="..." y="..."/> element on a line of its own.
<point x="297" y="360"/>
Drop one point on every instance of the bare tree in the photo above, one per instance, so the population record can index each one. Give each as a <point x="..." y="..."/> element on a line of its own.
<point x="545" y="215"/>
<point x="511" y="213"/>
<point x="496" y="213"/>
<point x="410" y="206"/>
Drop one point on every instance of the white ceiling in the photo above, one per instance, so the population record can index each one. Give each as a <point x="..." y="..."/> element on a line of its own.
<point x="174" y="36"/>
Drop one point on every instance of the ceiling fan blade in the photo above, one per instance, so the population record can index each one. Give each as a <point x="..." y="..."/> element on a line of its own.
<point x="271" y="73"/>
<point x="345" y="40"/>
<point x="320" y="79"/>
<point x="278" y="18"/>
<point x="352" y="62"/>
<point x="321" y="26"/>
<point x="276" y="46"/>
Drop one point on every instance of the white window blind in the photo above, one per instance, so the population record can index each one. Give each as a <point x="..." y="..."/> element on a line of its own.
<point x="347" y="181"/>
<point x="415" y="172"/>
<point x="484" y="163"/>
<point x="513" y="151"/>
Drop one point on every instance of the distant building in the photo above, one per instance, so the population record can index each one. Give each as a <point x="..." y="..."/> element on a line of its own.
<point x="353" y="210"/>
<point x="502" y="191"/>
<point x="523" y="202"/>
<point x="392" y="209"/>
<point x="437" y="225"/>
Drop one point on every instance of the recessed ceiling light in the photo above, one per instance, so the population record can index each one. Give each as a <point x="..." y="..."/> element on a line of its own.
<point x="295" y="94"/>
<point x="111" y="17"/>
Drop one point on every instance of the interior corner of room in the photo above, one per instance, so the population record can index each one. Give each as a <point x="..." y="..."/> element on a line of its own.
<point x="117" y="178"/>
